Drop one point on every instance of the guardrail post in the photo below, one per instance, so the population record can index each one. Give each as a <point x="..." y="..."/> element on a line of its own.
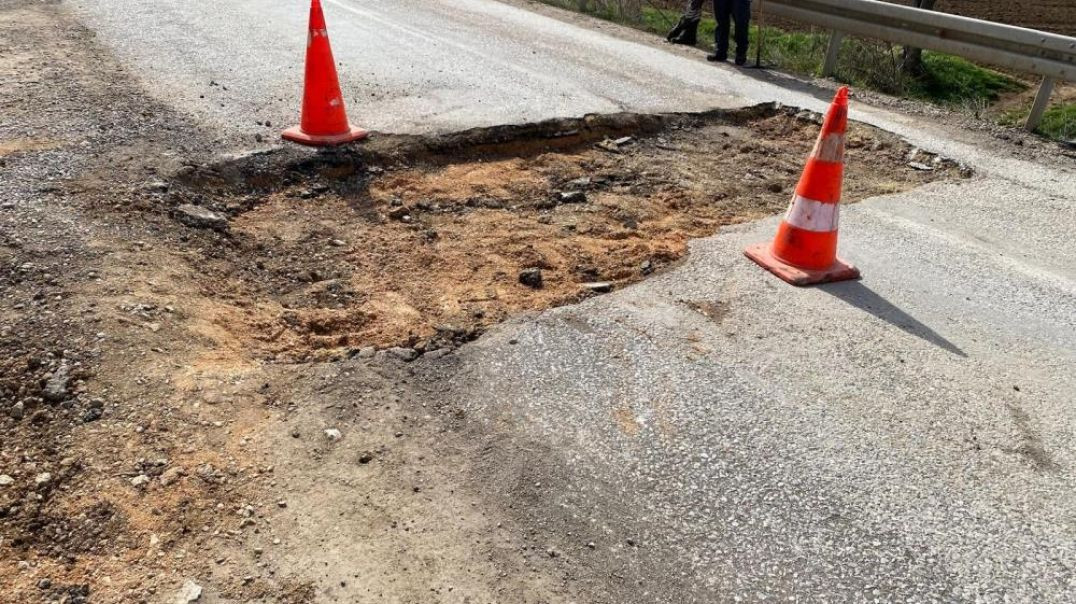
<point x="832" y="53"/>
<point x="1042" y="99"/>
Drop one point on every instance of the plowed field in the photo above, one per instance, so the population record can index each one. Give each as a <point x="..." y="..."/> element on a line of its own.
<point x="1048" y="15"/>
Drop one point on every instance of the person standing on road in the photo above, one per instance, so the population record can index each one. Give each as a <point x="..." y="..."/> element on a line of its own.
<point x="726" y="12"/>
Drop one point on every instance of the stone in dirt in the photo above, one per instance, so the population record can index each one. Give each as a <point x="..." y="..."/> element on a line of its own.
<point x="201" y="218"/>
<point x="608" y="145"/>
<point x="333" y="434"/>
<point x="155" y="186"/>
<point x="56" y="386"/>
<point x="572" y="197"/>
<point x="531" y="277"/>
<point x="171" y="475"/>
<point x="92" y="414"/>
<point x="6" y="480"/>
<point x="404" y="354"/>
<point x="189" y="592"/>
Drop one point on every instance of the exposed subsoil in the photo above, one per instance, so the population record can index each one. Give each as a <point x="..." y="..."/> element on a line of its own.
<point x="423" y="244"/>
<point x="150" y="435"/>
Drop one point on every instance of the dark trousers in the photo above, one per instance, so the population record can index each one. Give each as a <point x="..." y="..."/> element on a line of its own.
<point x="726" y="12"/>
<point x="739" y="11"/>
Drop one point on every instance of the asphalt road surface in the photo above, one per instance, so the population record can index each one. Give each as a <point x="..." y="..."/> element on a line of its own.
<point x="905" y="438"/>
<point x="405" y="65"/>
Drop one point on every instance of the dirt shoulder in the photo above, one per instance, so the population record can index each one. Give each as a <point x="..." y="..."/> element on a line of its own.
<point x="207" y="364"/>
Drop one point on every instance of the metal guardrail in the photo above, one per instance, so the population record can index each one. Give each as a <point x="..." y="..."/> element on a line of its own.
<point x="1051" y="56"/>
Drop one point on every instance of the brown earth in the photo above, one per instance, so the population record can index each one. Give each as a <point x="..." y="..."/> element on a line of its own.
<point x="1057" y="16"/>
<point x="429" y="254"/>
<point x="151" y="434"/>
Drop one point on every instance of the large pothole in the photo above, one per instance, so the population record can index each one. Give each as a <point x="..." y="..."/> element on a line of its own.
<point x="420" y="242"/>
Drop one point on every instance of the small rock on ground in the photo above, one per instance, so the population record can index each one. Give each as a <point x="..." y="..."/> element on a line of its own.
<point x="171" y="475"/>
<point x="189" y="592"/>
<point x="201" y="218"/>
<point x="572" y="197"/>
<point x="404" y="354"/>
<point x="56" y="387"/>
<point x="531" y="277"/>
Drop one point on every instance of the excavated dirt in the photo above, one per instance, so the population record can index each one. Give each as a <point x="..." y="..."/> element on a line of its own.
<point x="422" y="243"/>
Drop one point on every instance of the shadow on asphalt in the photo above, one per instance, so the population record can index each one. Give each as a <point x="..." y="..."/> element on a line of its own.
<point x="864" y="298"/>
<point x="770" y="75"/>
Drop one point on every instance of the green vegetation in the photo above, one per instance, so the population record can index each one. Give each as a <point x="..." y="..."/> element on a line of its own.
<point x="947" y="79"/>
<point x="1059" y="122"/>
<point x="950" y="79"/>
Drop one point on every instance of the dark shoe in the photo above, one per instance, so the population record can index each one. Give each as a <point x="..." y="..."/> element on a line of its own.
<point x="716" y="58"/>
<point x="741" y="61"/>
<point x="688" y="34"/>
<point x="675" y="32"/>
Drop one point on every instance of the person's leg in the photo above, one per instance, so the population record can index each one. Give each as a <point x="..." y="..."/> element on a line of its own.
<point x="722" y="13"/>
<point x="686" y="30"/>
<point x="741" y="14"/>
<point x="693" y="12"/>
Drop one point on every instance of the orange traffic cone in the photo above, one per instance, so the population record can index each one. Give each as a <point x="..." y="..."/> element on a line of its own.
<point x="324" y="120"/>
<point x="804" y="252"/>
